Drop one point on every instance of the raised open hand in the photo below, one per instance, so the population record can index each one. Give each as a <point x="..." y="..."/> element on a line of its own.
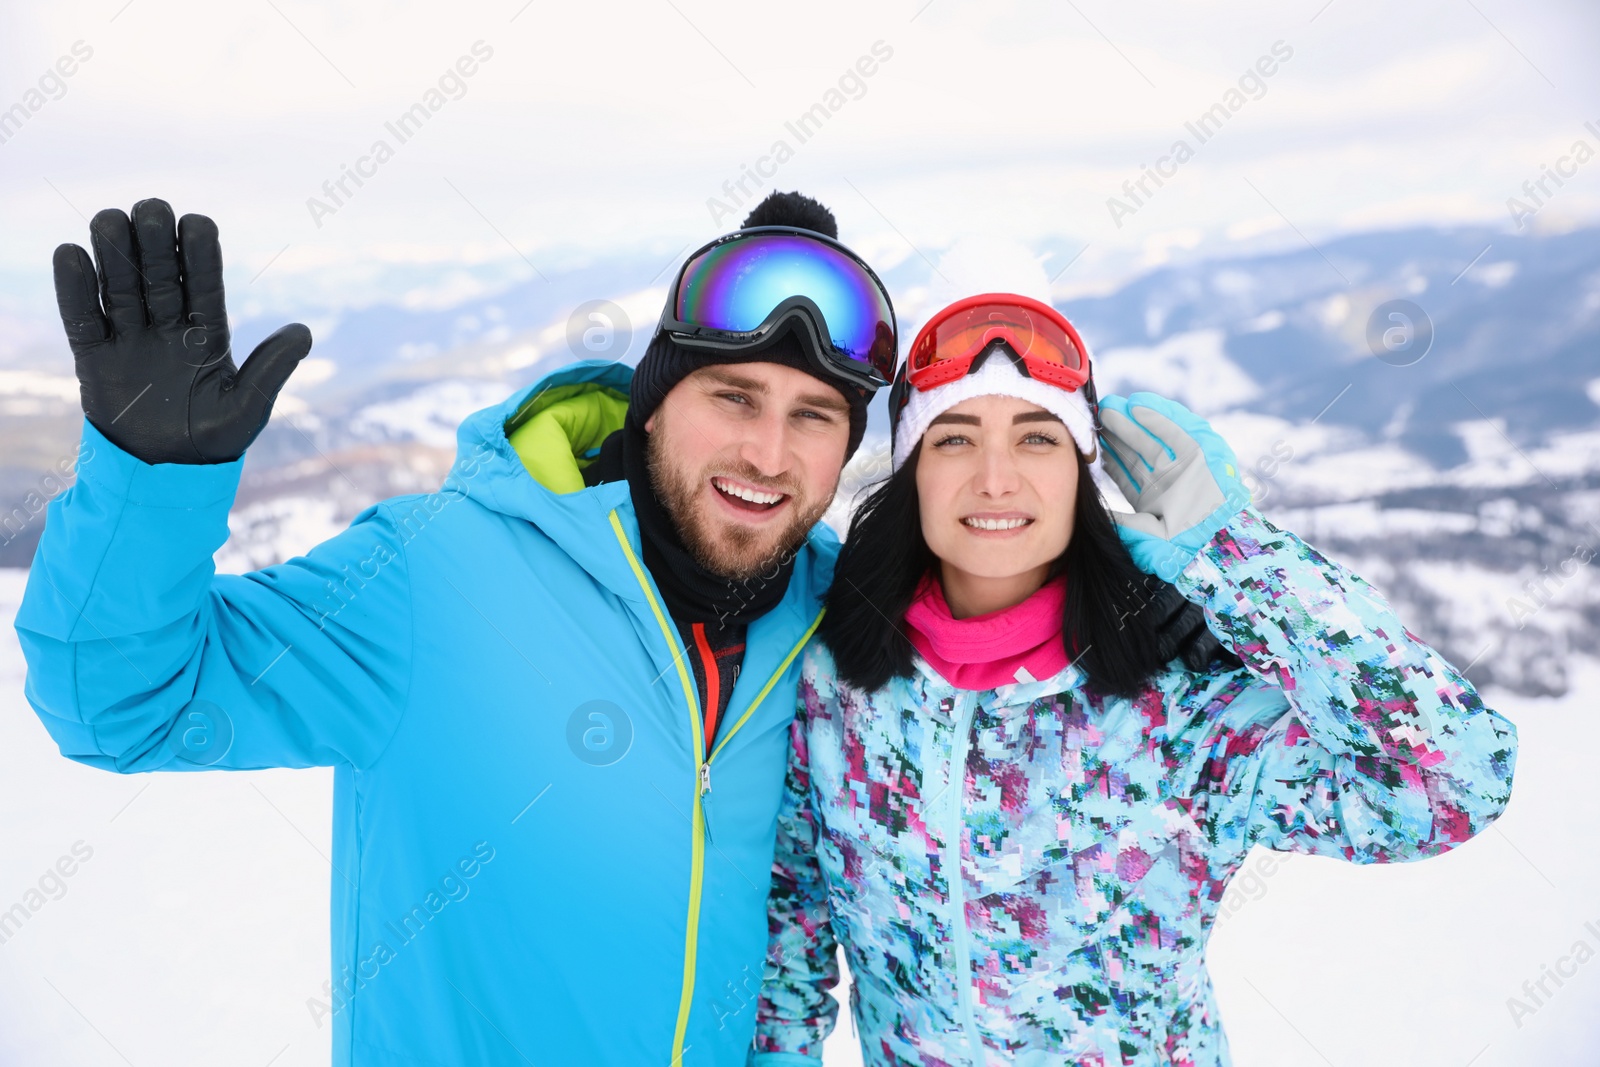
<point x="1179" y="474"/>
<point x="149" y="335"/>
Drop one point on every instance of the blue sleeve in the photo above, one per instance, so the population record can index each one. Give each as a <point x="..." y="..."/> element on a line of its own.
<point x="1345" y="735"/>
<point x="140" y="657"/>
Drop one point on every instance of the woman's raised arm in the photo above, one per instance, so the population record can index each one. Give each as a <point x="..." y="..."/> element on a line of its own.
<point x="1363" y="742"/>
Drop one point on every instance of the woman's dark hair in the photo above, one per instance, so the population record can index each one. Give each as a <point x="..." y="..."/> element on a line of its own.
<point x="1121" y="625"/>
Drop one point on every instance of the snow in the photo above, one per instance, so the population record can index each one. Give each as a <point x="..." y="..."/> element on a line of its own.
<point x="194" y="932"/>
<point x="260" y="533"/>
<point x="1494" y="275"/>
<point x="1360" y="472"/>
<point x="1564" y="455"/>
<point x="1331" y="311"/>
<point x="1484" y="439"/>
<point x="198" y="928"/>
<point x="430" y="414"/>
<point x="1263" y="323"/>
<point x="1191" y="368"/>
<point x="1365" y="519"/>
<point x="28" y="393"/>
<point x="1477" y="597"/>
<point x="35" y="383"/>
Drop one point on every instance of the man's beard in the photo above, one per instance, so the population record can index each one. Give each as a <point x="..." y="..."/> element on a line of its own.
<point x="740" y="552"/>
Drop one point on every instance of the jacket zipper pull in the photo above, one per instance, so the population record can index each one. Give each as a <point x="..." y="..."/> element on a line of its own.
<point x="705" y="808"/>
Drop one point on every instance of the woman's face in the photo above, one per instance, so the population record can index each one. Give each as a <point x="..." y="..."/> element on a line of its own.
<point x="996" y="482"/>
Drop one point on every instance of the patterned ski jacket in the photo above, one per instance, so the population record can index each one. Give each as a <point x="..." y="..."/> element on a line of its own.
<point x="1028" y="875"/>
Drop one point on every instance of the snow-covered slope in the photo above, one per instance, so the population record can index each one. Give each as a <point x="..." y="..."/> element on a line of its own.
<point x="196" y="930"/>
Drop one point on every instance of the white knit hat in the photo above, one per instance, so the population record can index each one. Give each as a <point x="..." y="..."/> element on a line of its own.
<point x="987" y="263"/>
<point x="999" y="377"/>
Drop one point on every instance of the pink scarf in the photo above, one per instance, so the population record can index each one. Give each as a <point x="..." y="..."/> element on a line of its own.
<point x="1015" y="644"/>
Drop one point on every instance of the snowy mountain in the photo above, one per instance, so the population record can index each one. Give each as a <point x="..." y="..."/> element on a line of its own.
<point x="1451" y="454"/>
<point x="1454" y="463"/>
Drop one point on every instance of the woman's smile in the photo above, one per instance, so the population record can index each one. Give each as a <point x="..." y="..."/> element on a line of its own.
<point x="997" y="524"/>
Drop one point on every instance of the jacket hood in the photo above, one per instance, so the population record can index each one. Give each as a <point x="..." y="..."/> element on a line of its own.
<point x="524" y="458"/>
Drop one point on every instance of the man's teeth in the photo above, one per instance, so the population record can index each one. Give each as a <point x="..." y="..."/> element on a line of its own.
<point x="755" y="496"/>
<point x="995" y="524"/>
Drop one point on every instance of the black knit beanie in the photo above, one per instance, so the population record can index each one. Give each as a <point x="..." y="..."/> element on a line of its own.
<point x="665" y="363"/>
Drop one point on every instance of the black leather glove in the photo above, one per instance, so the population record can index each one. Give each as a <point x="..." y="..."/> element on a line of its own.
<point x="149" y="335"/>
<point x="1182" y="630"/>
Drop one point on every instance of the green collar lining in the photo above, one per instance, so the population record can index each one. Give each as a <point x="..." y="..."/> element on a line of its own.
<point x="557" y="432"/>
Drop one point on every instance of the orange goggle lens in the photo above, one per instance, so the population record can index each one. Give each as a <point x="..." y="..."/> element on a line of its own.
<point x="1049" y="346"/>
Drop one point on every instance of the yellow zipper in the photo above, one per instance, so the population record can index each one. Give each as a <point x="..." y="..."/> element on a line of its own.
<point x="702" y="770"/>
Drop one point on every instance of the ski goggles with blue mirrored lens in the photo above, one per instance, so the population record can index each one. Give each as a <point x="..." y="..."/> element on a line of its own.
<point x="738" y="292"/>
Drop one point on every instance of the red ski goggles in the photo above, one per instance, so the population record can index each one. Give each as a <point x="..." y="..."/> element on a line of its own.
<point x="736" y="292"/>
<point x="1040" y="340"/>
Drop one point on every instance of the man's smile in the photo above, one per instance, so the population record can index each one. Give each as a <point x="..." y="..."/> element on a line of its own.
<point x="747" y="499"/>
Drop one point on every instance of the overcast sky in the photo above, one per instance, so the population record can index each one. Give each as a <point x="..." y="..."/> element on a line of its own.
<point x="599" y="127"/>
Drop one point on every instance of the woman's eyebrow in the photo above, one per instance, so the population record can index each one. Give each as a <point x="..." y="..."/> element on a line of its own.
<point x="964" y="420"/>
<point x="1033" y="416"/>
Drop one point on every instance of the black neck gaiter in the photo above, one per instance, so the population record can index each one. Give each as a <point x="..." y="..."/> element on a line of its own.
<point x="692" y="593"/>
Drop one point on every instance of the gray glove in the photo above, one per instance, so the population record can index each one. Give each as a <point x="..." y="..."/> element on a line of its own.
<point x="1178" y="473"/>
